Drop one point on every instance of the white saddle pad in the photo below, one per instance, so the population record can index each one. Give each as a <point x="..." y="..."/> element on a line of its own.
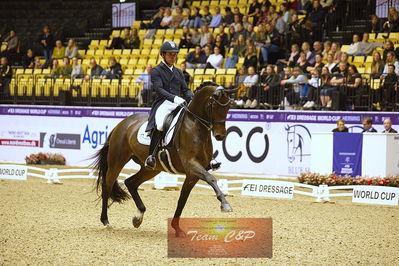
<point x="144" y="139"/>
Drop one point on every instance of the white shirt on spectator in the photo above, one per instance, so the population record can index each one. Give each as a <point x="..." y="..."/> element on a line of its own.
<point x="250" y="80"/>
<point x="215" y="60"/>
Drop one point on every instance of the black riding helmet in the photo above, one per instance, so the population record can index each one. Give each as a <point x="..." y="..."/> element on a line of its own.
<point x="170" y="47"/>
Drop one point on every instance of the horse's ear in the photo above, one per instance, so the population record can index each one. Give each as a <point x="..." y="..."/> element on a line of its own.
<point x="230" y="91"/>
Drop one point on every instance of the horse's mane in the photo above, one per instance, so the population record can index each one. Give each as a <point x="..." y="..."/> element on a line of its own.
<point x="205" y="84"/>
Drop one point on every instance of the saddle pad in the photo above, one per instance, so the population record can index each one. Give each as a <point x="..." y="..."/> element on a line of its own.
<point x="143" y="138"/>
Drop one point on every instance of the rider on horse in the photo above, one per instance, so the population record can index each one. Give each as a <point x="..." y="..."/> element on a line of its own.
<point x="169" y="85"/>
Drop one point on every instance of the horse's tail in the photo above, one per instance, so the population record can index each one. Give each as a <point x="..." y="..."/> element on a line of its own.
<point x="101" y="165"/>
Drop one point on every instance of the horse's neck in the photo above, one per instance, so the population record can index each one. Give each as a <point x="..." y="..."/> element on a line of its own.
<point x="199" y="102"/>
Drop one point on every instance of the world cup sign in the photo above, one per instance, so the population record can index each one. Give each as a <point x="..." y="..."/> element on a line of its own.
<point x="221" y="238"/>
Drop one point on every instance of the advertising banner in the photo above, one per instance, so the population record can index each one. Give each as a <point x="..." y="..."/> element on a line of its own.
<point x="257" y="142"/>
<point x="347" y="153"/>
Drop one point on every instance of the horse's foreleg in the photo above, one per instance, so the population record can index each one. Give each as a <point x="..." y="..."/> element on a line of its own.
<point x="211" y="180"/>
<point x="132" y="184"/>
<point x="188" y="185"/>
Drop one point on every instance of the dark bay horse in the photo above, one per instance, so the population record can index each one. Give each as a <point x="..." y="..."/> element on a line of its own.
<point x="191" y="155"/>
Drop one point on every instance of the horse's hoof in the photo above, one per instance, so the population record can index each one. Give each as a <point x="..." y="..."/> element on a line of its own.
<point x="137" y="221"/>
<point x="226" y="208"/>
<point x="107" y="228"/>
<point x="180" y="234"/>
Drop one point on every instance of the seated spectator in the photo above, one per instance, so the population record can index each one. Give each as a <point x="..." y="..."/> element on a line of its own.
<point x="313" y="85"/>
<point x="215" y="60"/>
<point x="353" y="81"/>
<point x="116" y="43"/>
<point x="388" y="126"/>
<point x="28" y="61"/>
<point x="219" y="43"/>
<point x="297" y="92"/>
<point x="238" y="51"/>
<point x="5" y="77"/>
<point x="263" y="15"/>
<point x="196" y="59"/>
<point x="228" y="17"/>
<point x="185" y="40"/>
<point x="269" y="87"/>
<point x="377" y="66"/>
<point x="59" y="50"/>
<point x="374" y="25"/>
<point x="245" y="22"/>
<point x="206" y="17"/>
<point x="253" y="11"/>
<point x="156" y="22"/>
<point x="368" y="125"/>
<point x="292" y="59"/>
<point x="271" y="44"/>
<point x="205" y="33"/>
<point x="250" y="33"/>
<point x="96" y="70"/>
<point x="129" y="40"/>
<point x="195" y="19"/>
<point x="325" y="88"/>
<point x="389" y="86"/>
<point x="236" y="11"/>
<point x="327" y="49"/>
<point x="330" y="64"/>
<point x="250" y="81"/>
<point x="196" y="37"/>
<point x="56" y="70"/>
<point x="336" y="52"/>
<point x="177" y="19"/>
<point x="304" y="7"/>
<point x="337" y="81"/>
<point x="318" y="64"/>
<point x="340" y="126"/>
<point x="388" y="46"/>
<point x="209" y="40"/>
<point x="66" y="68"/>
<point x="230" y="37"/>
<point x="362" y="48"/>
<point x="302" y="62"/>
<point x="12" y="44"/>
<point x="236" y="22"/>
<point x="392" y="25"/>
<point x="309" y="55"/>
<point x="167" y="19"/>
<point x="223" y="35"/>
<point x="71" y="50"/>
<point x="238" y="80"/>
<point x="115" y="70"/>
<point x="145" y="80"/>
<point x="294" y="30"/>
<point x="186" y="18"/>
<point x="250" y="59"/>
<point x="77" y="71"/>
<point x="280" y="24"/>
<point x="391" y="59"/>
<point x="317" y="48"/>
<point x="38" y="64"/>
<point x="216" y="19"/>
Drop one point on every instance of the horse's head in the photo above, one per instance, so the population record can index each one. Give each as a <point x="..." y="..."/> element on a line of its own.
<point x="218" y="105"/>
<point x="211" y="103"/>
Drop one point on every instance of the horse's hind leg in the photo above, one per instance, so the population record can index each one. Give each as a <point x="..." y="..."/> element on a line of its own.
<point x="132" y="184"/>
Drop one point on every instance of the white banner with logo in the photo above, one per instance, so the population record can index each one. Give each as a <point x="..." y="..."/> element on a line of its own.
<point x="376" y="195"/>
<point x="17" y="172"/>
<point x="258" y="142"/>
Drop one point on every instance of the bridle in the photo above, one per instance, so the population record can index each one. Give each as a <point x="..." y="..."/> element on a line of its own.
<point x="209" y="123"/>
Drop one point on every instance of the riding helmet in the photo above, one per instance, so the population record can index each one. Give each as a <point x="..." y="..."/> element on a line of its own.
<point x="170" y="47"/>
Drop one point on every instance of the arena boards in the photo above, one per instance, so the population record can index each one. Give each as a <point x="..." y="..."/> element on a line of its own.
<point x="258" y="142"/>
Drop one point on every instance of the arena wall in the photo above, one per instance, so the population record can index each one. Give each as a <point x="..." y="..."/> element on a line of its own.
<point x="258" y="142"/>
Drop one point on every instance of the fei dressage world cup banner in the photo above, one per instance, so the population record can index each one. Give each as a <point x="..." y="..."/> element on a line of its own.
<point x="347" y="153"/>
<point x="258" y="142"/>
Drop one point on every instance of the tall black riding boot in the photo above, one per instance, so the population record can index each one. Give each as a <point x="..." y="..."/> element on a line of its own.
<point x="150" y="162"/>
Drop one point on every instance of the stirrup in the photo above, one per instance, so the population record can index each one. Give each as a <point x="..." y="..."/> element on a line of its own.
<point x="150" y="162"/>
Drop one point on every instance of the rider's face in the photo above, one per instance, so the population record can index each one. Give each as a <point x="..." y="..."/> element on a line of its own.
<point x="170" y="58"/>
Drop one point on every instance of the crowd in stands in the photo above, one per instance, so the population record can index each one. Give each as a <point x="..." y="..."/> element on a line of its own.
<point x="287" y="57"/>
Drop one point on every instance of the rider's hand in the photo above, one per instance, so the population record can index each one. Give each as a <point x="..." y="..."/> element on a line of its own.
<point x="178" y="100"/>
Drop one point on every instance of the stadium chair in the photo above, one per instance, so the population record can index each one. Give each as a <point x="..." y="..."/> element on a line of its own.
<point x="76" y="82"/>
<point x="123" y="61"/>
<point x="220" y="71"/>
<point x="113" y="89"/>
<point x="233" y="2"/>
<point x="42" y="87"/>
<point x="180" y="61"/>
<point x="95" y="87"/>
<point x="358" y="61"/>
<point x="25" y="87"/>
<point x="344" y="48"/>
<point x="104" y="89"/>
<point x="19" y="71"/>
<point x="82" y="52"/>
<point x="157" y="42"/>
<point x="372" y="36"/>
<point x="117" y="52"/>
<point x="152" y="61"/>
<point x="231" y="71"/>
<point x="90" y="53"/>
<point x="103" y="63"/>
<point x="142" y="61"/>
<point x="103" y="44"/>
<point x="94" y="44"/>
<point x="58" y="86"/>
<point x="369" y="59"/>
<point x="116" y="33"/>
<point x="67" y="84"/>
<point x="107" y="53"/>
<point x="375" y="84"/>
<point x="199" y="71"/>
<point x="136" y="52"/>
<point x="127" y="52"/>
<point x="145" y="52"/>
<point x="125" y="85"/>
<point x="138" y="71"/>
<point x="147" y="43"/>
<point x="190" y="71"/>
<point x="154" y="53"/>
<point x="361" y="70"/>
<point x="12" y="85"/>
<point x="394" y="37"/>
<point x="132" y="61"/>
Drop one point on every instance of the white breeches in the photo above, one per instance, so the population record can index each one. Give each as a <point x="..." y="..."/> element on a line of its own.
<point x="163" y="110"/>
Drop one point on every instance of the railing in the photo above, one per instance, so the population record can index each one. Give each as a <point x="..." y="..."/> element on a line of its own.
<point x="38" y="89"/>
